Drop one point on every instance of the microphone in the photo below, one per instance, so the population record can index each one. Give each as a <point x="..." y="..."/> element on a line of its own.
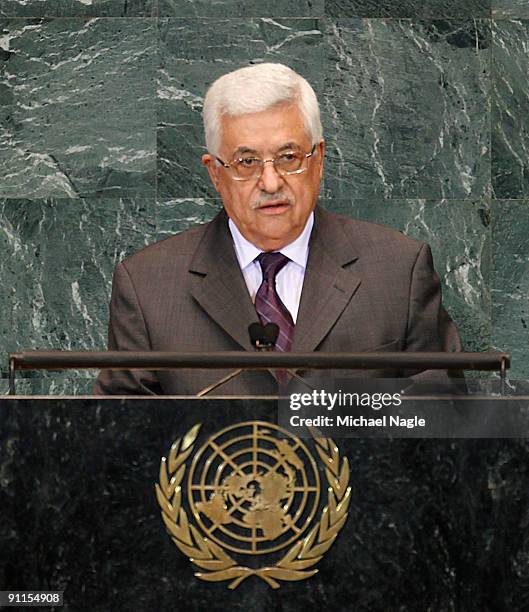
<point x="263" y="337"/>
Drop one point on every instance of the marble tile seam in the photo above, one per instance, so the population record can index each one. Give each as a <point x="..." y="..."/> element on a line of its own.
<point x="494" y="15"/>
<point x="169" y="18"/>
<point x="257" y="18"/>
<point x="489" y="94"/>
<point x="411" y="20"/>
<point x="507" y="200"/>
<point x="156" y="176"/>
<point x="327" y="18"/>
<point x="262" y="18"/>
<point x="246" y="19"/>
<point x="77" y="18"/>
<point x="184" y="198"/>
<point x="89" y="198"/>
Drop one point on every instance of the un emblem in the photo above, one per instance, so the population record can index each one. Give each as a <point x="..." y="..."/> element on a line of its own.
<point x="252" y="489"/>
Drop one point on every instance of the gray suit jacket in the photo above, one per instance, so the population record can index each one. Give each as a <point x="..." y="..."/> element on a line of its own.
<point x="366" y="288"/>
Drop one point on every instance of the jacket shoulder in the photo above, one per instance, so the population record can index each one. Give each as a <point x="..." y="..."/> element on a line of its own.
<point x="367" y="236"/>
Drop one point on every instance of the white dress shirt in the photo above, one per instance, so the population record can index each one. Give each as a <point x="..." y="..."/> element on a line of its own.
<point x="289" y="280"/>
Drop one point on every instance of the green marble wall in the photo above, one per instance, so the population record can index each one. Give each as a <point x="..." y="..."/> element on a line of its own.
<point x="425" y="112"/>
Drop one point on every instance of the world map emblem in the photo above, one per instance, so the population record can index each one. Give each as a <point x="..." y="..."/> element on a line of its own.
<point x="253" y="489"/>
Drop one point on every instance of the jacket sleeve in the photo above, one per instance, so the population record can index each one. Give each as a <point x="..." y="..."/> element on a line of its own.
<point x="126" y="332"/>
<point x="429" y="327"/>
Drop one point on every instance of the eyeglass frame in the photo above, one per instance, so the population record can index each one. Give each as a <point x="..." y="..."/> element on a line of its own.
<point x="258" y="176"/>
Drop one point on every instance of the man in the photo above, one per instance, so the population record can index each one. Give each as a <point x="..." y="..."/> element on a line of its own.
<point x="331" y="283"/>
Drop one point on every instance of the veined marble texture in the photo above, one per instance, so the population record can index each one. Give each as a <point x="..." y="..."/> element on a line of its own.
<point x="509" y="9"/>
<point x="430" y="9"/>
<point x="56" y="270"/>
<point x="188" y="66"/>
<point x="510" y="109"/>
<point x="77" y="108"/>
<point x="71" y="382"/>
<point x="77" y="8"/>
<point x="510" y="282"/>
<point x="240" y="8"/>
<point x="406" y="108"/>
<point x="174" y="216"/>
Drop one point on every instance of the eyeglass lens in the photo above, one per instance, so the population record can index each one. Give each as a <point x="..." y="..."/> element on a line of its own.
<point x="285" y="163"/>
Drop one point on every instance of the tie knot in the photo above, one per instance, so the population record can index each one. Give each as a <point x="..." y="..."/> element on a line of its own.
<point x="271" y="263"/>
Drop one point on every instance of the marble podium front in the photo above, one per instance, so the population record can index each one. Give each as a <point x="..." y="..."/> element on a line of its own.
<point x="435" y="525"/>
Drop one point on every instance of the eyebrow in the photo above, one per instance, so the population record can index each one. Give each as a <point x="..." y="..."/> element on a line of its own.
<point x="288" y="145"/>
<point x="242" y="150"/>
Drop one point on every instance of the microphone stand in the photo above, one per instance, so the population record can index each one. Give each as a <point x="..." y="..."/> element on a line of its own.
<point x="220" y="382"/>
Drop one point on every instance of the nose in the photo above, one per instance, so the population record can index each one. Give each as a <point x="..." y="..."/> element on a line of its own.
<point x="270" y="180"/>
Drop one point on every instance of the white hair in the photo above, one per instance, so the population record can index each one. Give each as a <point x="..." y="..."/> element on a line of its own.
<point x="254" y="89"/>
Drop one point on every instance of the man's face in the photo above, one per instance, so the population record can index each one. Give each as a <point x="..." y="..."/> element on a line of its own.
<point x="270" y="211"/>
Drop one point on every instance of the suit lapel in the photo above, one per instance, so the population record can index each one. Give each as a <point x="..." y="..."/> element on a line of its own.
<point x="329" y="282"/>
<point x="218" y="284"/>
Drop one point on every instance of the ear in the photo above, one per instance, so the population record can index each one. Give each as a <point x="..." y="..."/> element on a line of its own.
<point x="213" y="169"/>
<point x="321" y="153"/>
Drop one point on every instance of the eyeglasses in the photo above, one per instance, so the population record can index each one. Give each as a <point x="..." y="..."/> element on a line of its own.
<point x="247" y="167"/>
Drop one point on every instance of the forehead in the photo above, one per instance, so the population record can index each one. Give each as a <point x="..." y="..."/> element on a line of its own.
<point x="265" y="131"/>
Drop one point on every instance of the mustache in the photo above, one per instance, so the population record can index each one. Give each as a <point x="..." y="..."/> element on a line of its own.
<point x="269" y="197"/>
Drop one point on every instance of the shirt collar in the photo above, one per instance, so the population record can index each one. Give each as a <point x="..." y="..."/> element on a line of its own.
<point x="297" y="251"/>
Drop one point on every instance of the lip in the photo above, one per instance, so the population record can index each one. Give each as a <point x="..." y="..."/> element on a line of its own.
<point x="274" y="207"/>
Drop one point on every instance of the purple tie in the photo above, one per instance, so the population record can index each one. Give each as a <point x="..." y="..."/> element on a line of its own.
<point x="268" y="304"/>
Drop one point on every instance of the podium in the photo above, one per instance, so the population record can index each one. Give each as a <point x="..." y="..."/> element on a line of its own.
<point x="431" y="524"/>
